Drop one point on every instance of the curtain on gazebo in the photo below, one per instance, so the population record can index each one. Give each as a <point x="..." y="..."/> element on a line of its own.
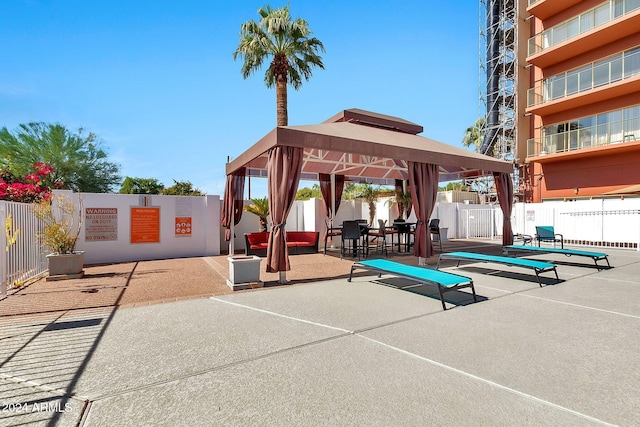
<point x="283" y="169"/>
<point x="233" y="201"/>
<point x="423" y="180"/>
<point x="504" y="188"/>
<point x="325" y="189"/>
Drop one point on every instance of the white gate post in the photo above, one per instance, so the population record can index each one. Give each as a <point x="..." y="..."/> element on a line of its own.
<point x="467" y="227"/>
<point x="493" y="222"/>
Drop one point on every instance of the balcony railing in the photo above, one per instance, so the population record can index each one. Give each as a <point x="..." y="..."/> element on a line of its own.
<point x="595" y="74"/>
<point x="587" y="137"/>
<point x="593" y="18"/>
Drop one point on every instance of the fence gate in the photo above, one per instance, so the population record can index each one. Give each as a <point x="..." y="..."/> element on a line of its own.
<point x="481" y="223"/>
<point x="21" y="257"/>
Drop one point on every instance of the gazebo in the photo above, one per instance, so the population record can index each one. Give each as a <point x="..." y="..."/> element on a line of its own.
<point x="355" y="145"/>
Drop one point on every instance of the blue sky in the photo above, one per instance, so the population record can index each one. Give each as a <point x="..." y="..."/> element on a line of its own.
<point x="156" y="81"/>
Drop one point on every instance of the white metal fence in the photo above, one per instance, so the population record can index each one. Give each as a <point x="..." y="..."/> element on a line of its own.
<point x="21" y="257"/>
<point x="481" y="223"/>
<point x="613" y="223"/>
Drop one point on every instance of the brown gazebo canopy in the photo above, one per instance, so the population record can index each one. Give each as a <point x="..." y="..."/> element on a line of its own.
<point x="362" y="145"/>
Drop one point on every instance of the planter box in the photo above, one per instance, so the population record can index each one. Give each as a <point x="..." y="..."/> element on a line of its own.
<point x="444" y="231"/>
<point x="244" y="272"/>
<point x="66" y="266"/>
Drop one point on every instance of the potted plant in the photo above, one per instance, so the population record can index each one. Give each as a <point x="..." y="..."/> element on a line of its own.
<point x="260" y="207"/>
<point x="61" y="224"/>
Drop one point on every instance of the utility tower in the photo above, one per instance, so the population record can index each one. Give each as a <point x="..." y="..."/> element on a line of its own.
<point x="498" y="62"/>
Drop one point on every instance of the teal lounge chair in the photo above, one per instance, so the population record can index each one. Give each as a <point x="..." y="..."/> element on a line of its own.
<point x="537" y="266"/>
<point x="595" y="256"/>
<point x="445" y="281"/>
<point x="546" y="233"/>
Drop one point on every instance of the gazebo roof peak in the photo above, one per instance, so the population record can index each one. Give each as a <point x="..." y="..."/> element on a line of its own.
<point x="369" y="118"/>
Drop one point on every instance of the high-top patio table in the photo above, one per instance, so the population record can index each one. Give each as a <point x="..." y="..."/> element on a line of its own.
<point x="404" y="229"/>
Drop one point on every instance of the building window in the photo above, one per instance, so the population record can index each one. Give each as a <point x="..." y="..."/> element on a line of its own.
<point x="632" y="61"/>
<point x="631" y="5"/>
<point x="631" y="123"/>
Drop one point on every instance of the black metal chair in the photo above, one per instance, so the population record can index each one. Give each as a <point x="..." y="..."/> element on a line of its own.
<point x="331" y="232"/>
<point x="351" y="233"/>
<point x="434" y="229"/>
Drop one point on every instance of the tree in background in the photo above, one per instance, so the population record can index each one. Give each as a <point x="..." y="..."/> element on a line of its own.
<point x="307" y="193"/>
<point x="141" y="186"/>
<point x="403" y="202"/>
<point x="350" y="191"/>
<point x="371" y="196"/>
<point x="290" y="46"/>
<point x="456" y="185"/>
<point x="259" y="207"/>
<point x="182" y="188"/>
<point x="78" y="160"/>
<point x="473" y="135"/>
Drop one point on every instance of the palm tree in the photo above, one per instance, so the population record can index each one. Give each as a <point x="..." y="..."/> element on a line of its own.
<point x="370" y="195"/>
<point x="259" y="207"/>
<point x="290" y="46"/>
<point x="474" y="135"/>
<point x="404" y="201"/>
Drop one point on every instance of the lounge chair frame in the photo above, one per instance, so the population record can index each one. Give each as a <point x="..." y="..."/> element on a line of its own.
<point x="537" y="266"/>
<point x="445" y="282"/>
<point x="595" y="256"/>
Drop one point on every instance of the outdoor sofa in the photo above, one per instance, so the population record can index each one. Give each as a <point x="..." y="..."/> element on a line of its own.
<point x="298" y="242"/>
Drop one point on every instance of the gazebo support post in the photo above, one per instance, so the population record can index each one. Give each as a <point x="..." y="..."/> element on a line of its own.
<point x="332" y="214"/>
<point x="232" y="249"/>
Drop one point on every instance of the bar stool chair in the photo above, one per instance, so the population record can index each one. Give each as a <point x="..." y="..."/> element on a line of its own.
<point x="351" y="233"/>
<point x="434" y="229"/>
<point x="331" y="232"/>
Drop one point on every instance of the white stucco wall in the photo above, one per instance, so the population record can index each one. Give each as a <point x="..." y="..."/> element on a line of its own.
<point x="203" y="241"/>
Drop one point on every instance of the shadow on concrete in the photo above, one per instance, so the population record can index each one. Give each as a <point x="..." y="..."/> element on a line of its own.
<point x="41" y="362"/>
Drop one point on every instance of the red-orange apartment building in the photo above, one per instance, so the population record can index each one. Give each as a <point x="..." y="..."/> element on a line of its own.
<point x="579" y="127"/>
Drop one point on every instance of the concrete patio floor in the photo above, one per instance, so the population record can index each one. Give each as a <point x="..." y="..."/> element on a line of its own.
<point x="125" y="348"/>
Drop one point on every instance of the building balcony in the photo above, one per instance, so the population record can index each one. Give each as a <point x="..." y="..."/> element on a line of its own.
<point x="624" y="66"/>
<point x="578" y="142"/>
<point x="590" y="30"/>
<point x="544" y="9"/>
<point x="565" y="101"/>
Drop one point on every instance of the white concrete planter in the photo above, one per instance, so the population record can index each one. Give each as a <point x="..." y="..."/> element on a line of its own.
<point x="66" y="266"/>
<point x="443" y="233"/>
<point x="244" y="272"/>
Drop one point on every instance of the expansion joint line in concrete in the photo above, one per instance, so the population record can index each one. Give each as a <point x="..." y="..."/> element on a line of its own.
<point x="585" y="307"/>
<point x="489" y="382"/>
<point x="422" y="358"/>
<point x="41" y="387"/>
<point x="219" y="368"/>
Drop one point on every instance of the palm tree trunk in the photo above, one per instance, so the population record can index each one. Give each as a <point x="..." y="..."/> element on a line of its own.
<point x="281" y="101"/>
